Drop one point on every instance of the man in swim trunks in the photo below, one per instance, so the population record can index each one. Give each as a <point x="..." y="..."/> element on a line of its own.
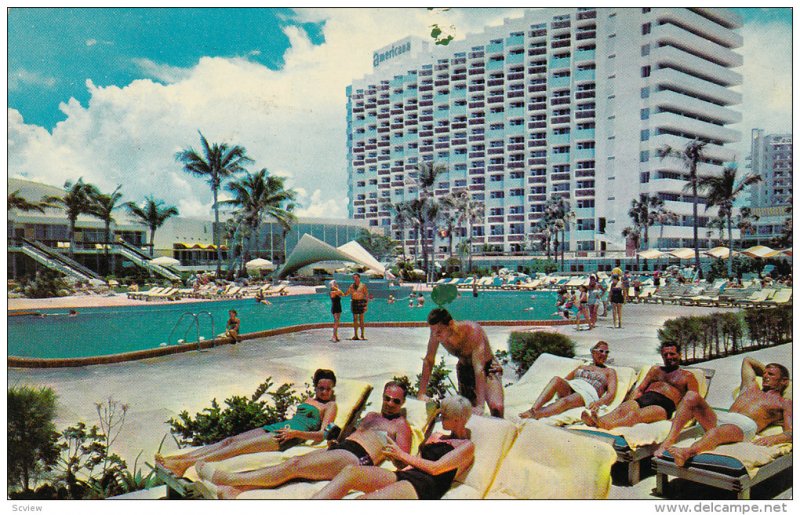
<point x="754" y="409"/>
<point x="479" y="374"/>
<point x="358" y="304"/>
<point x="654" y="399"/>
<point x="363" y="447"/>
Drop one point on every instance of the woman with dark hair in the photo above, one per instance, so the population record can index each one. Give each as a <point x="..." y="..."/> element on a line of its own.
<point x="427" y="476"/>
<point x="312" y="415"/>
<point x="336" y="308"/>
<point x="617" y="297"/>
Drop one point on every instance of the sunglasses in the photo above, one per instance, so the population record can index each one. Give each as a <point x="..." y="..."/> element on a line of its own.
<point x="600" y="351"/>
<point x="398" y="402"/>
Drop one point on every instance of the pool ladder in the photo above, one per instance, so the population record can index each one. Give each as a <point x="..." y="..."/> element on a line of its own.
<point x="196" y="324"/>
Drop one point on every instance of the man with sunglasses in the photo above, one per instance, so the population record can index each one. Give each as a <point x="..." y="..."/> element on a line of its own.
<point x="592" y="386"/>
<point x="655" y="398"/>
<point x="479" y="374"/>
<point x="362" y="447"/>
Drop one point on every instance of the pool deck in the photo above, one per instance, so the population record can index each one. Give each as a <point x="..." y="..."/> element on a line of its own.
<point x="159" y="388"/>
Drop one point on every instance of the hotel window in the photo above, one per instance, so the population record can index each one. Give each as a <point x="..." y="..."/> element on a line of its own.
<point x="561" y="150"/>
<point x="644" y="177"/>
<point x="497" y="230"/>
<point x="645" y="71"/>
<point x="644" y="156"/>
<point x="645" y="135"/>
<point x="516" y="192"/>
<point x="645" y="29"/>
<point x="644" y="114"/>
<point x="645" y="92"/>
<point x="496" y="211"/>
<point x="497" y="194"/>
<point x="645" y="50"/>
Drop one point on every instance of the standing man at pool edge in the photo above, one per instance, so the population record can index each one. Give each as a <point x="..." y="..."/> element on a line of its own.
<point x="478" y="372"/>
<point x="358" y="304"/>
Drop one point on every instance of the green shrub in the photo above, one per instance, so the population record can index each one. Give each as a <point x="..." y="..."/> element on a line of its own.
<point x="46" y="284"/>
<point x="525" y="347"/>
<point x="542" y="265"/>
<point x="722" y="334"/>
<point x="439" y="384"/>
<point x="240" y="414"/>
<point x="32" y="438"/>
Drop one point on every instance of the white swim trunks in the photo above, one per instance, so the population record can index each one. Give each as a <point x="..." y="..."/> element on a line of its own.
<point x="585" y="390"/>
<point x="743" y="422"/>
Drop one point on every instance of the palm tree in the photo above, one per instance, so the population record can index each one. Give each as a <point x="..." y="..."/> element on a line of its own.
<point x="448" y="217"/>
<point x="716" y="224"/>
<point x="663" y="218"/>
<point x="722" y="191"/>
<point x="468" y="211"/>
<point x="258" y="195"/>
<point x="745" y="222"/>
<point x="558" y="215"/>
<point x="426" y="178"/>
<point x="644" y="212"/>
<point x="634" y="234"/>
<point x="691" y="155"/>
<point x="77" y="200"/>
<point x="103" y="208"/>
<point x="18" y="203"/>
<point x="544" y="234"/>
<point x="153" y="214"/>
<point x="216" y="163"/>
<point x="399" y="217"/>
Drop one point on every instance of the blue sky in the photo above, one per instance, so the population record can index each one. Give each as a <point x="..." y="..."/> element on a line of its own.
<point x="111" y="94"/>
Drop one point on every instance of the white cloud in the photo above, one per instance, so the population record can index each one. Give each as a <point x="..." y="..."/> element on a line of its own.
<point x="291" y="121"/>
<point x="21" y="77"/>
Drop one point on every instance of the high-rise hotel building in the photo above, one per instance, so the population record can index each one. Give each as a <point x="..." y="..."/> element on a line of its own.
<point x="567" y="101"/>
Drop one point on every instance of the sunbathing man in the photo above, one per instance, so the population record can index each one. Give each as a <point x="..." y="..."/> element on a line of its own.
<point x="358" y="304"/>
<point x="653" y="400"/>
<point x="592" y="386"/>
<point x="479" y="373"/>
<point x="363" y="447"/>
<point x="754" y="409"/>
<point x="312" y="415"/>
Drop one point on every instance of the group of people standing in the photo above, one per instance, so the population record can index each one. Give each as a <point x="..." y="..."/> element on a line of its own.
<point x="585" y="303"/>
<point x="359" y="299"/>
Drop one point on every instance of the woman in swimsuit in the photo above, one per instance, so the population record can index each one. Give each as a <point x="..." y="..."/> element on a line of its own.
<point x="588" y="385"/>
<point x="428" y="475"/>
<point x="312" y="415"/>
<point x="336" y="308"/>
<point x="617" y="297"/>
<point x="583" y="308"/>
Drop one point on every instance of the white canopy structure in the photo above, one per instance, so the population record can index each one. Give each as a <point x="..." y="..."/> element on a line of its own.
<point x="651" y="254"/>
<point x="311" y="250"/>
<point x="165" y="261"/>
<point x="259" y="264"/>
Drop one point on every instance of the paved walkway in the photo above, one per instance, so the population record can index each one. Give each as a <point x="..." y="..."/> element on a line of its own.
<point x="160" y="388"/>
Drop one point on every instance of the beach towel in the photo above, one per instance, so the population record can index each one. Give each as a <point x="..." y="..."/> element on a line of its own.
<point x="549" y="463"/>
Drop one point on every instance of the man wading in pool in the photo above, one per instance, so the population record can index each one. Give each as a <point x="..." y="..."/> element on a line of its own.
<point x="358" y="305"/>
<point x="479" y="373"/>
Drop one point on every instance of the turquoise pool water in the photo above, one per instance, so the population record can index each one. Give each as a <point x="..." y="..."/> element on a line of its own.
<point x="113" y="330"/>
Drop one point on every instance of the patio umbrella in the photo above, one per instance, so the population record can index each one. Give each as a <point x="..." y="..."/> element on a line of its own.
<point x="165" y="261"/>
<point x="760" y="251"/>
<point x="651" y="254"/>
<point x="787" y="252"/>
<point x="720" y="252"/>
<point x="260" y="264"/>
<point x="684" y="253"/>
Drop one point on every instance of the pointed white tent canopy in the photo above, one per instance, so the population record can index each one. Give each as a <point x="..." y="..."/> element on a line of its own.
<point x="311" y="250"/>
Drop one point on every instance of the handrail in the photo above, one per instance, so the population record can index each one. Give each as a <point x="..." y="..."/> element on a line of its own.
<point x="196" y="323"/>
<point x="144" y="260"/>
<point x="64" y="260"/>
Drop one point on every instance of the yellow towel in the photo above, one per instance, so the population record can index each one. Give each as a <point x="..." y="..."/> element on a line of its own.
<point x="550" y="463"/>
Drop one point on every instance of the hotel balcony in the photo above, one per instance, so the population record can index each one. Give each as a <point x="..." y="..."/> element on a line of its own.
<point x="697" y="23"/>
<point x="700" y="128"/>
<point x="695" y="106"/>
<point x="680" y="37"/>
<point x="695" y="65"/>
<point x="691" y="84"/>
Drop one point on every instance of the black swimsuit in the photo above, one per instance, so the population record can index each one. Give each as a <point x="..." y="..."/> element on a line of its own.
<point x="336" y="306"/>
<point x="657" y="399"/>
<point x="427" y="486"/>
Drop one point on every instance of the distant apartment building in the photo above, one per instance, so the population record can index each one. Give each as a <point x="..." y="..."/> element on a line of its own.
<point x="771" y="157"/>
<point x="567" y="101"/>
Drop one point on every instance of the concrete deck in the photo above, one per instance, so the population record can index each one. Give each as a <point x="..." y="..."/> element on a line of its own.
<point x="160" y="388"/>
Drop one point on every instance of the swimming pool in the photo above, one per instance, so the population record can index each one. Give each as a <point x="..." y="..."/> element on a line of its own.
<point x="115" y="330"/>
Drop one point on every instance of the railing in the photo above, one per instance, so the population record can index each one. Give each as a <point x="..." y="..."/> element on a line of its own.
<point x="194" y="323"/>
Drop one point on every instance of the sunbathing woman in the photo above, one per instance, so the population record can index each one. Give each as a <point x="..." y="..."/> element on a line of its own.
<point x="592" y="386"/>
<point x="312" y="415"/>
<point x="428" y="475"/>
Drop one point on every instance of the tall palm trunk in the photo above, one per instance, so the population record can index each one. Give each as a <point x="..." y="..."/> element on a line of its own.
<point x="563" y="242"/>
<point x="107" y="245"/>
<point x="72" y="222"/>
<point x="469" y="246"/>
<point x="730" y="244"/>
<point x="694" y="217"/>
<point x="152" y="237"/>
<point x="216" y="233"/>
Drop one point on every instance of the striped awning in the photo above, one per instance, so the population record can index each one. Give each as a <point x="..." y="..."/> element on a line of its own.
<point x="760" y="251"/>
<point x="720" y="252"/>
<point x="651" y="254"/>
<point x="683" y="253"/>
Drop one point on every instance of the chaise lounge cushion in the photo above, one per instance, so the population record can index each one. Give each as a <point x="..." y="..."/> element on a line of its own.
<point x="550" y="463"/>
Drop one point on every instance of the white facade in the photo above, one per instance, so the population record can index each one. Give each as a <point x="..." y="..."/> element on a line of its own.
<point x="771" y="157"/>
<point x="568" y="101"/>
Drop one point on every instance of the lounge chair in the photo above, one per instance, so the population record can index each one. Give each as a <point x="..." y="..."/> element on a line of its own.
<point x="351" y="397"/>
<point x="142" y="295"/>
<point x="637" y="443"/>
<point x="782" y="296"/>
<point x="276" y="290"/>
<point x="166" y="294"/>
<point x="522" y="394"/>
<point x="549" y="463"/>
<point x="733" y="467"/>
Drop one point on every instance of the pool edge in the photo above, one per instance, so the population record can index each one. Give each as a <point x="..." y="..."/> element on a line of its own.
<point x="20" y="362"/>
